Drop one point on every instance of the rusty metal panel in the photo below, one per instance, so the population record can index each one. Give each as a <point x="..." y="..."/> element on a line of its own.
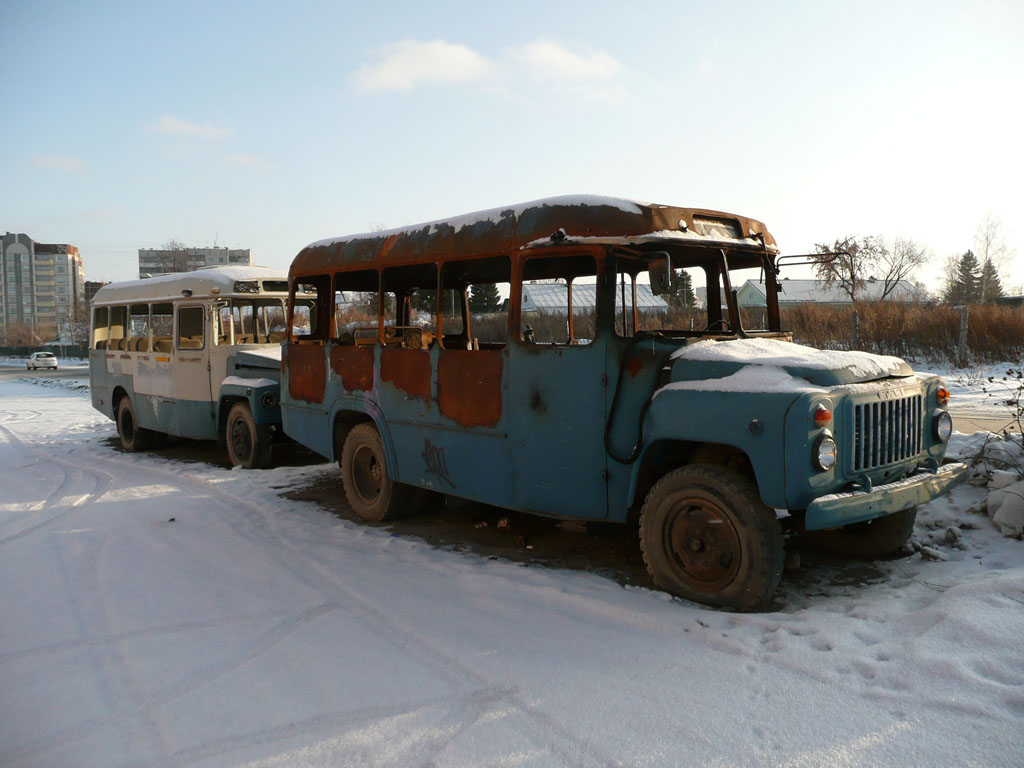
<point x="511" y="229"/>
<point x="307" y="372"/>
<point x="469" y="386"/>
<point x="355" y="367"/>
<point x="407" y="369"/>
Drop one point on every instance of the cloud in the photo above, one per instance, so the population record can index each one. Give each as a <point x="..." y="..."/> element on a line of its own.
<point x="549" y="60"/>
<point x="64" y="163"/>
<point x="175" y="126"/>
<point x="408" y="63"/>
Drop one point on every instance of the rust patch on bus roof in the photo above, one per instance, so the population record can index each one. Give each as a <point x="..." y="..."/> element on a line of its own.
<point x="407" y="369"/>
<point x="355" y="367"/>
<point x="505" y="230"/>
<point x="307" y="372"/>
<point x="469" y="386"/>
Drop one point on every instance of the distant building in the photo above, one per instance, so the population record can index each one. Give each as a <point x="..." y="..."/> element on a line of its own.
<point x="42" y="287"/>
<point x="160" y="261"/>
<point x="91" y="286"/>
<point x="752" y="293"/>
<point x="553" y="298"/>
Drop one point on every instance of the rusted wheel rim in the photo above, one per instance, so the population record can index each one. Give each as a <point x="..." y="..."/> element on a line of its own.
<point x="703" y="544"/>
<point x="368" y="474"/>
<point x="241" y="440"/>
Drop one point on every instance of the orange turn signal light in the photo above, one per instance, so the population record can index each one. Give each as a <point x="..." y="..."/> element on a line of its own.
<point x="822" y="417"/>
<point x="942" y="396"/>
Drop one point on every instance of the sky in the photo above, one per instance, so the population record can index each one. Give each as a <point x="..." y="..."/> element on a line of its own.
<point x="265" y="126"/>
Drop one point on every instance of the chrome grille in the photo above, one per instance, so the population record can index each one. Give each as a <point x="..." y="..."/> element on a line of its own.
<point x="887" y="431"/>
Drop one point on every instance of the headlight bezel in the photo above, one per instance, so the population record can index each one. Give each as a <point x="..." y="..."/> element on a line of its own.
<point x="942" y="426"/>
<point x="825" y="439"/>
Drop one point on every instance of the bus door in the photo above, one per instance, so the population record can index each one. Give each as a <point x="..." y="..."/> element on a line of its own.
<point x="557" y="389"/>
<point x="190" y="374"/>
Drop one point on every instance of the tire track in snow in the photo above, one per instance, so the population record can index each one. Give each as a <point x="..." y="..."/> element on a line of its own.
<point x="544" y="731"/>
<point x="70" y="482"/>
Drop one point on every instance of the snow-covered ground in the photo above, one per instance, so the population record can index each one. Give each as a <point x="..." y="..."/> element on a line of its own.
<point x="161" y="613"/>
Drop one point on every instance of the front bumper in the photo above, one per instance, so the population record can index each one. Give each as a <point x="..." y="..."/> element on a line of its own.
<point x="838" y="509"/>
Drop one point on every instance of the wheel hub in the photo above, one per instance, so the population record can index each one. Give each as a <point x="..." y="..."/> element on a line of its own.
<point x="704" y="544"/>
<point x="368" y="474"/>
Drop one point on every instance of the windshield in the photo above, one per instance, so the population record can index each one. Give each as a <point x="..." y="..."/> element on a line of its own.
<point x="709" y="294"/>
<point x="251" y="321"/>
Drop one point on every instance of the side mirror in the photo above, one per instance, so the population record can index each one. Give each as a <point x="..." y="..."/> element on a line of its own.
<point x="659" y="272"/>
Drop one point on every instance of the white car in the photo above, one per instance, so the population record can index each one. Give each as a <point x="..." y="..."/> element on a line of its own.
<point x="42" y="360"/>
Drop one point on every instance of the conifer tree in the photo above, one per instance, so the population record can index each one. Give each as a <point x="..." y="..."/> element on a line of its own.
<point x="484" y="298"/>
<point x="991" y="287"/>
<point x="681" y="290"/>
<point x="964" y="284"/>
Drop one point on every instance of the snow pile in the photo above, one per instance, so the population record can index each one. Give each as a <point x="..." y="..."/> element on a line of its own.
<point x="786" y="354"/>
<point x="997" y="463"/>
<point x="750" y="378"/>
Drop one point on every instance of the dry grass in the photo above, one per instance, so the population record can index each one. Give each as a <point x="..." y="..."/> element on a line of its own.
<point x="915" y="331"/>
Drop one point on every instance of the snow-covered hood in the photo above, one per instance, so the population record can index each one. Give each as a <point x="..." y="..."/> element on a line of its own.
<point x="708" y="360"/>
<point x="268" y="357"/>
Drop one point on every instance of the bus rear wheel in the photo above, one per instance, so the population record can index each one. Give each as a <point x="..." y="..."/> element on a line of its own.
<point x="369" y="487"/>
<point x="706" y="536"/>
<point x="133" y="437"/>
<point x="249" y="443"/>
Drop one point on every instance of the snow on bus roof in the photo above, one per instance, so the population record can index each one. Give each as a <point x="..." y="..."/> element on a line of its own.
<point x="199" y="281"/>
<point x="495" y="215"/>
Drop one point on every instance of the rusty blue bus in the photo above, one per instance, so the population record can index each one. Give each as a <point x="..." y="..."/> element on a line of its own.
<point x="519" y="357"/>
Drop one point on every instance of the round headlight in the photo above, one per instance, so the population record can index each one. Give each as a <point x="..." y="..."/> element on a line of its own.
<point x="825" y="452"/>
<point x="269" y="400"/>
<point x="942" y="426"/>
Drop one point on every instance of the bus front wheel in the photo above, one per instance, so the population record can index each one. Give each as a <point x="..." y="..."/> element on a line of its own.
<point x="133" y="437"/>
<point x="249" y="443"/>
<point x="369" y="487"/>
<point x="706" y="536"/>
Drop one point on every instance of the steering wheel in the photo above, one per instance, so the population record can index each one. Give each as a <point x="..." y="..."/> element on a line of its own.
<point x="724" y="323"/>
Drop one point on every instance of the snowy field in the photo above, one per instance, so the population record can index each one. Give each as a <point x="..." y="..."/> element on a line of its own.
<point x="161" y="613"/>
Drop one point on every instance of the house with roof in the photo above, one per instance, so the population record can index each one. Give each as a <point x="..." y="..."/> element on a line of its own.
<point x="550" y="297"/>
<point x="801" y="291"/>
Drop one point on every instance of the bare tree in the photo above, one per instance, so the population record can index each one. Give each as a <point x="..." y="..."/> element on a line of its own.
<point x="899" y="263"/>
<point x="848" y="262"/>
<point x="993" y="254"/>
<point x="23" y="335"/>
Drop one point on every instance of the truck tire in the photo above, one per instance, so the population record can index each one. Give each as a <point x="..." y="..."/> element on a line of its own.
<point x="369" y="487"/>
<point x="133" y="437"/>
<point x="249" y="444"/>
<point x="869" y="540"/>
<point x="706" y="536"/>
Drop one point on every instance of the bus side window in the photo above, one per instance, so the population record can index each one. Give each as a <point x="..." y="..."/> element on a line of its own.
<point x="161" y="320"/>
<point x="224" y="329"/>
<point x="100" y="319"/>
<point x="190" y="328"/>
<point x="138" y="327"/>
<point x="118" y="335"/>
<point x="559" y="300"/>
<point x="310" y="310"/>
<point x="412" y="291"/>
<point x="474" y="303"/>
<point x="356" y="311"/>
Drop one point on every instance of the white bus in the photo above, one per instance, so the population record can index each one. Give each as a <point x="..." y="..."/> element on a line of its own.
<point x="193" y="354"/>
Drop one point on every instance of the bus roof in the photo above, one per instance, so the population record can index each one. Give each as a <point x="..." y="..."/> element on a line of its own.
<point x="554" y="220"/>
<point x="203" y="283"/>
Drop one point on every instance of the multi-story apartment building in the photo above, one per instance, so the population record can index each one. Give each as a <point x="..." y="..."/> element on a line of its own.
<point x="158" y="261"/>
<point x="42" y="286"/>
<point x="91" y="286"/>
